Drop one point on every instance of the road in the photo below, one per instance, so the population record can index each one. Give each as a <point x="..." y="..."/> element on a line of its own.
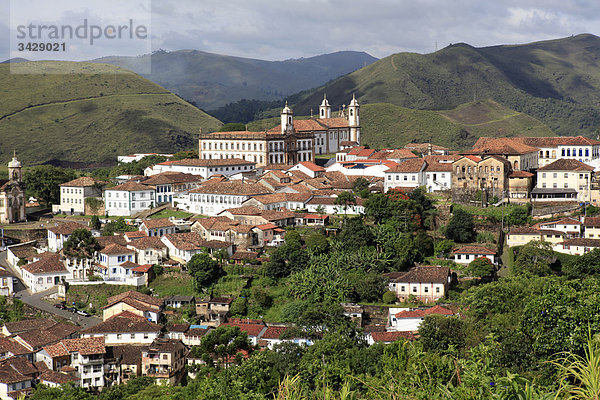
<point x="35" y="300"/>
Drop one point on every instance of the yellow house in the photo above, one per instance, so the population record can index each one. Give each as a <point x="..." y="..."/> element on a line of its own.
<point x="522" y="236"/>
<point x="564" y="180"/>
<point x="591" y="228"/>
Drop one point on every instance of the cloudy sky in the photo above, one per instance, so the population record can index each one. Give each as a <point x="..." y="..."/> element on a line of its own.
<point x="282" y="29"/>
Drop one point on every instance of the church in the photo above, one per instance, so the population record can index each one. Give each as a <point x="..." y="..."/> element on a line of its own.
<point x="291" y="142"/>
<point x="12" y="194"/>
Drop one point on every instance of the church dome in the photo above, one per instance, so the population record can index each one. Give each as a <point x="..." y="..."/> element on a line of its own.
<point x="354" y="102"/>
<point x="325" y="103"/>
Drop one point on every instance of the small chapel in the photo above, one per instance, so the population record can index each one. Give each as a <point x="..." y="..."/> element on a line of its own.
<point x="12" y="194"/>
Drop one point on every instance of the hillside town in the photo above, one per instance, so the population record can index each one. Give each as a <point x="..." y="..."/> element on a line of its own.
<point x="241" y="200"/>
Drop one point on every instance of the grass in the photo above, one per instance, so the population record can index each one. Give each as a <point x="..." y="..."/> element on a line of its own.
<point x="104" y="110"/>
<point x="95" y="295"/>
<point x="173" y="283"/>
<point x="166" y="213"/>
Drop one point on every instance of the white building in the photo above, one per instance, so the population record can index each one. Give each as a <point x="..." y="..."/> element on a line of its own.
<point x="552" y="149"/>
<point x="203" y="168"/>
<point x="59" y="234"/>
<point x="410" y="320"/>
<point x="183" y="246"/>
<point x="407" y="174"/>
<point x="564" y="180"/>
<point x="362" y="167"/>
<point x="116" y="263"/>
<point x="424" y="283"/>
<point x="158" y="226"/>
<point x="327" y="205"/>
<point x="169" y="184"/>
<point x="438" y="172"/>
<point x="467" y="254"/>
<point x="211" y="199"/>
<point x="138" y="156"/>
<point x="571" y="227"/>
<point x="74" y="193"/>
<point x="45" y="272"/>
<point x="128" y="199"/>
<point x="309" y="168"/>
<point x="124" y="328"/>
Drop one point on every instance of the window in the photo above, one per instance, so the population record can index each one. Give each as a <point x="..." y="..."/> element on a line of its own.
<point x="414" y="289"/>
<point x="402" y="288"/>
<point x="426" y="289"/>
<point x="555" y="175"/>
<point x="132" y="336"/>
<point x="437" y="289"/>
<point x="119" y="336"/>
<point x="566" y="175"/>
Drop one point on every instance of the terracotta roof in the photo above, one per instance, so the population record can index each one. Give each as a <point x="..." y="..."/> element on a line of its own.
<point x="9" y="345"/>
<point x="274" y="332"/>
<point x="192" y="241"/>
<point x="563" y="221"/>
<point x="171" y="177"/>
<point x="39" y="338"/>
<point x="282" y="197"/>
<point x="253" y="330"/>
<point x="553" y="141"/>
<point x="246" y="210"/>
<point x="567" y="164"/>
<point x="435" y="274"/>
<point x="315" y="216"/>
<point x="114" y="248"/>
<point x="520" y="174"/>
<point x="147" y="242"/>
<point x="474" y="158"/>
<point x="84" y="181"/>
<point x="130" y="187"/>
<point x="48" y="375"/>
<point x="241" y="255"/>
<point x="277" y="215"/>
<point x="217" y="162"/>
<point x="265" y="227"/>
<point x="474" y="250"/>
<point x="137" y="296"/>
<point x="503" y="146"/>
<point x="48" y="262"/>
<point x="104" y="241"/>
<point x="28" y="325"/>
<point x="178" y="328"/>
<point x="582" y="242"/>
<point x="83" y="346"/>
<point x="421" y="313"/>
<point x="388" y="337"/>
<point x="157" y="223"/>
<point x="135" y="234"/>
<point x="312" y="166"/>
<point x="524" y="231"/>
<point x="143" y="268"/>
<point x="423" y="147"/>
<point x="67" y="228"/>
<point x="410" y="165"/>
<point x="221" y="300"/>
<point x="15" y="370"/>
<point x="123" y="323"/>
<point x="24" y="251"/>
<point x="233" y="188"/>
<point x="591" y="221"/>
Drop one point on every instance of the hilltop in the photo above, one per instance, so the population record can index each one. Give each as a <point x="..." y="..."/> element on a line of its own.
<point x="556" y="81"/>
<point x="389" y="125"/>
<point x="213" y="80"/>
<point x="66" y="112"/>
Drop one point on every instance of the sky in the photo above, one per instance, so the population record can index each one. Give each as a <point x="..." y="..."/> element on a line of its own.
<point x="283" y="29"/>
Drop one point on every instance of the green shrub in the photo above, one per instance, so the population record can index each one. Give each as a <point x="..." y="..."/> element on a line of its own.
<point x="389" y="297"/>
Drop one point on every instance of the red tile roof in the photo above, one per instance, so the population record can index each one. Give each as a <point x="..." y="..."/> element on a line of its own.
<point x="421" y="313"/>
<point x="520" y="174"/>
<point x="84" y="181"/>
<point x="567" y="164"/>
<point x="124" y="323"/>
<point x="474" y="250"/>
<point x="67" y="228"/>
<point x="411" y="165"/>
<point x="131" y="187"/>
<point x="253" y="330"/>
<point x="312" y="166"/>
<point x="389" y="337"/>
<point x="429" y="273"/>
<point x="48" y="262"/>
<point x="114" y="248"/>
<point x="157" y="223"/>
<point x="84" y="346"/>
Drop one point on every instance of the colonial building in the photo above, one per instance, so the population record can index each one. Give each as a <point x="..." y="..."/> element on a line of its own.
<point x="289" y="143"/>
<point x="521" y="156"/>
<point x="472" y="173"/>
<point x="566" y="147"/>
<point x="12" y="194"/>
<point x="74" y="193"/>
<point x="564" y="180"/>
<point x="129" y="199"/>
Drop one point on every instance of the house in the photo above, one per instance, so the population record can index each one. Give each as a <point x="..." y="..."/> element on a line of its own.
<point x="591" y="227"/>
<point x="571" y="227"/>
<point x="148" y="250"/>
<point x="34" y="340"/>
<point x="408" y="173"/>
<point x="176" y="331"/>
<point x="128" y="361"/>
<point x="466" y="254"/>
<point x="73" y="195"/>
<point x="17" y="378"/>
<point x="279" y="201"/>
<point x="134" y="302"/>
<point x="577" y="247"/>
<point x="21" y="252"/>
<point x="225" y="230"/>
<point x="158" y="227"/>
<point x="169" y="184"/>
<point x="193" y="336"/>
<point x="211" y="199"/>
<point x="254" y="328"/>
<point x="115" y="263"/>
<point x="519" y="155"/>
<point x="273" y="336"/>
<point x="367" y="167"/>
<point x="164" y="360"/>
<point x="59" y="234"/>
<point x="203" y="168"/>
<point x="9" y="347"/>
<point x="438" y="172"/>
<point x="6" y="282"/>
<point x="522" y="236"/>
<point x="183" y="246"/>
<point x="425" y="283"/>
<point x="45" y="272"/>
<point x="471" y="174"/>
<point x="309" y="168"/>
<point x="551" y="149"/>
<point x="54" y="379"/>
<point x="410" y="320"/>
<point x="214" y="310"/>
<point x="134" y="235"/>
<point x="388" y="337"/>
<point x="563" y="180"/>
<point x="124" y="328"/>
<point x="178" y="301"/>
<point x="312" y="219"/>
<point x="520" y="184"/>
<point x="87" y="355"/>
<point x="129" y="199"/>
<point x="26" y="325"/>
<point x="327" y="205"/>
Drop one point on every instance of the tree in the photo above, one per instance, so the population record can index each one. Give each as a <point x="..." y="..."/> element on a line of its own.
<point x="94" y="204"/>
<point x="355" y="234"/>
<point x="481" y="267"/>
<point x="389" y="297"/>
<point x="461" y="227"/>
<point x="95" y="223"/>
<point x="517" y="216"/>
<point x="535" y="258"/>
<point x="317" y="243"/>
<point x="204" y="271"/>
<point x="585" y="265"/>
<point x="239" y="307"/>
<point x="43" y="182"/>
<point x="276" y="266"/>
<point x="221" y="345"/>
<point x="377" y="207"/>
<point x="444" y="247"/>
<point x="232" y="126"/>
<point x="81" y="245"/>
<point x="117" y="226"/>
<point x="345" y="199"/>
<point x="438" y="333"/>
<point x="360" y="185"/>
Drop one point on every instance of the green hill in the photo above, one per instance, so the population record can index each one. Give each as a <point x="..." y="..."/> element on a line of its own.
<point x="388" y="125"/>
<point x="67" y="113"/>
<point x="213" y="80"/>
<point x="556" y="81"/>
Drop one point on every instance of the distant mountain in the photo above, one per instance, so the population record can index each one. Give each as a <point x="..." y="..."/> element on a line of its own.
<point x="213" y="80"/>
<point x="69" y="113"/>
<point x="387" y="125"/>
<point x="556" y="81"/>
<point x="14" y="60"/>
